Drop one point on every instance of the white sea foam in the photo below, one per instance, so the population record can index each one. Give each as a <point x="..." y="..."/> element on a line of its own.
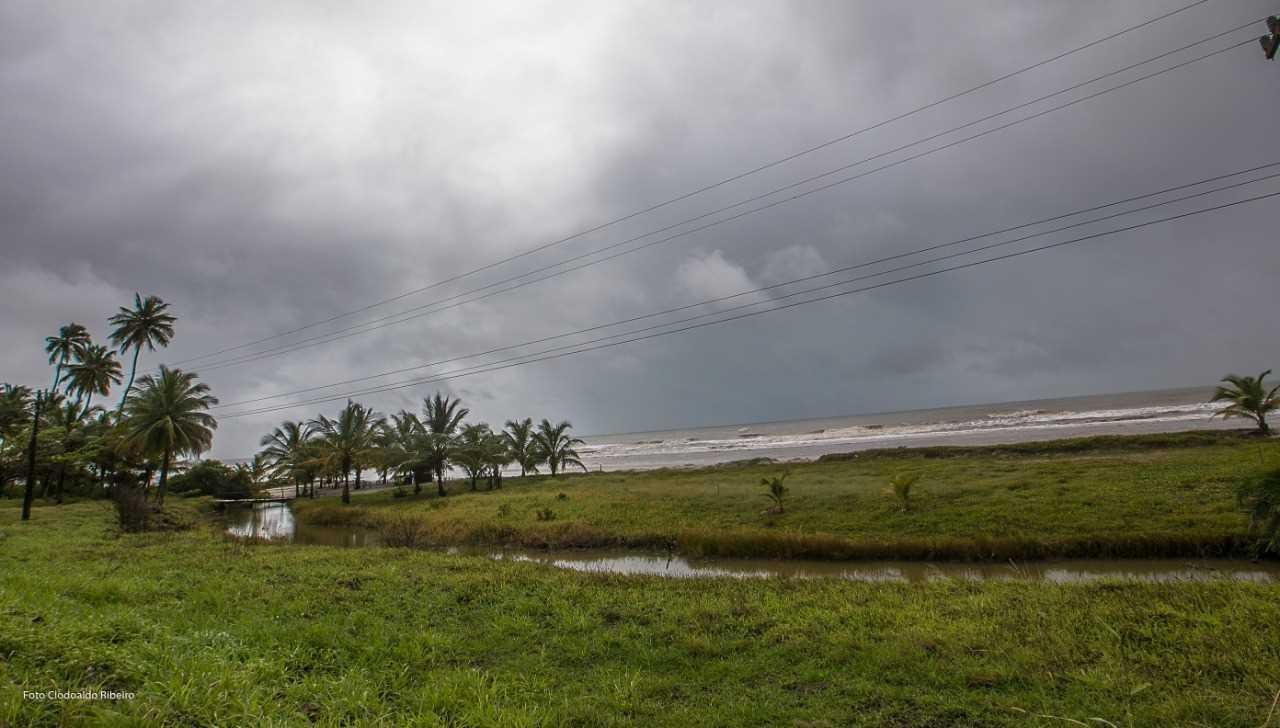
<point x="671" y="450"/>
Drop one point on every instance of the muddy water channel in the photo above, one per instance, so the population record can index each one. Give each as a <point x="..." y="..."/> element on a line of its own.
<point x="275" y="521"/>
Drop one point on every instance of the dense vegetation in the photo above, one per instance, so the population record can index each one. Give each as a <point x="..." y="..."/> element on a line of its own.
<point x="58" y="442"/>
<point x="209" y="632"/>
<point x="1154" y="495"/>
<point x="412" y="449"/>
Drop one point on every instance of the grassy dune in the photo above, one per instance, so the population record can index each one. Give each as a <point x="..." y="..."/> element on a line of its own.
<point x="211" y="632"/>
<point x="1159" y="495"/>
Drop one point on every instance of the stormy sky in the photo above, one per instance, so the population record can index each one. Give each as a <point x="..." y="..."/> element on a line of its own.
<point x="265" y="166"/>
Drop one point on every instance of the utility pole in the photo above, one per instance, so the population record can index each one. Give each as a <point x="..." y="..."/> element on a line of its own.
<point x="1271" y="40"/>
<point x="30" y="492"/>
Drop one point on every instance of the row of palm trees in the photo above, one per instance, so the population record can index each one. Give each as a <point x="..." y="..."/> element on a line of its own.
<point x="59" y="434"/>
<point x="412" y="447"/>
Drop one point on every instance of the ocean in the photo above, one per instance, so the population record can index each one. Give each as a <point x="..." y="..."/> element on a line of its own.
<point x="1105" y="414"/>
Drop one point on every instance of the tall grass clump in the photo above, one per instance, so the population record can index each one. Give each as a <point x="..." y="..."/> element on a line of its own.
<point x="403" y="532"/>
<point x="1261" y="500"/>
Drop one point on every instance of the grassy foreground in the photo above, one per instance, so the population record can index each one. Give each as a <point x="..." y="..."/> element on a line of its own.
<point x="210" y="632"/>
<point x="1154" y="495"/>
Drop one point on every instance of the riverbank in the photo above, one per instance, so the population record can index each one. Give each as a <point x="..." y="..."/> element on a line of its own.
<point x="1110" y="497"/>
<point x="206" y="631"/>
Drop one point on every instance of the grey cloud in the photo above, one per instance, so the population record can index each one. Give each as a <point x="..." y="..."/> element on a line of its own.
<point x="264" y="167"/>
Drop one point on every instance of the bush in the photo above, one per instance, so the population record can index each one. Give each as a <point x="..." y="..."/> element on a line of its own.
<point x="545" y="514"/>
<point x="132" y="508"/>
<point x="1260" y="497"/>
<point x="210" y="477"/>
<point x="402" y="532"/>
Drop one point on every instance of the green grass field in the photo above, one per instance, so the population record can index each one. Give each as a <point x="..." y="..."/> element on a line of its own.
<point x="210" y="632"/>
<point x="1159" y="495"/>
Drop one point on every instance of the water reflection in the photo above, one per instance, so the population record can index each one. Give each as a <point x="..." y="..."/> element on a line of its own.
<point x="275" y="521"/>
<point x="1058" y="572"/>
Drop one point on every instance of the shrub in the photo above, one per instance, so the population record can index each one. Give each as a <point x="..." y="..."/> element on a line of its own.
<point x="1260" y="497"/>
<point x="210" y="477"/>
<point x="561" y="496"/>
<point x="402" y="532"/>
<point x="545" y="514"/>
<point x="132" y="508"/>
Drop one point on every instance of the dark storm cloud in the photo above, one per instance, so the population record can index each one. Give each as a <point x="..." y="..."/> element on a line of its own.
<point x="265" y="167"/>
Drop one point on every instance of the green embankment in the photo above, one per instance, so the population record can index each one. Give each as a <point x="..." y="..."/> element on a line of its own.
<point x="1157" y="495"/>
<point x="210" y="632"/>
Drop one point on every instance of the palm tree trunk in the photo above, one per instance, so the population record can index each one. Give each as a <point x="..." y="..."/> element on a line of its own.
<point x="440" y="481"/>
<point x="87" y="402"/>
<point x="132" y="371"/>
<point x="29" y="494"/>
<point x="346" y="488"/>
<point x="164" y="477"/>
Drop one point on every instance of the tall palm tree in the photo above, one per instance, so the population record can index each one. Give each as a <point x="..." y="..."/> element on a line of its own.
<point x="147" y="324"/>
<point x="554" y="445"/>
<point x="408" y="448"/>
<point x="95" y="370"/>
<point x="347" y="441"/>
<point x="497" y="455"/>
<point x="519" y="436"/>
<point x="1249" y="399"/>
<point x="470" y="451"/>
<point x="441" y="417"/>
<point x="168" y="417"/>
<point x="70" y="341"/>
<point x="287" y="451"/>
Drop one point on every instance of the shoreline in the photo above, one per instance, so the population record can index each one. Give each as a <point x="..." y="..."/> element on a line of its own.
<point x="816" y="450"/>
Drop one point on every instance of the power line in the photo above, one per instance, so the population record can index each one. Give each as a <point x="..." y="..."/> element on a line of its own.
<point x="816" y="276"/>
<point x="454" y="302"/>
<point x="714" y="185"/>
<point x="523" y="361"/>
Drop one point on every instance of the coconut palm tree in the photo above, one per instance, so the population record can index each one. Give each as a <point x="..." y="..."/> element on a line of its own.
<point x="286" y="450"/>
<point x="408" y="448"/>
<point x="469" y="451"/>
<point x="441" y="418"/>
<point x="554" y="445"/>
<point x="168" y="417"/>
<point x="345" y="443"/>
<point x="70" y="341"/>
<point x="147" y="324"/>
<point x="519" y="437"/>
<point x="497" y="455"/>
<point x="95" y="370"/>
<point x="1249" y="399"/>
